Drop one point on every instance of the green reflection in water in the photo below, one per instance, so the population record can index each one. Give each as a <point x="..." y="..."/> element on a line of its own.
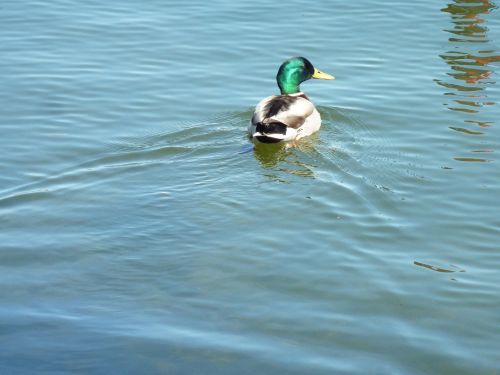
<point x="469" y="58"/>
<point x="472" y="160"/>
<point x="466" y="131"/>
<point x="285" y="160"/>
<point x="438" y="269"/>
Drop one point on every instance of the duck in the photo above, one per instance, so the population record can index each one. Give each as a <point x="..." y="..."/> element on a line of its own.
<point x="291" y="115"/>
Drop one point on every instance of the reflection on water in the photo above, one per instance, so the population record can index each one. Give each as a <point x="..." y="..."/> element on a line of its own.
<point x="438" y="269"/>
<point x="470" y="59"/>
<point x="283" y="160"/>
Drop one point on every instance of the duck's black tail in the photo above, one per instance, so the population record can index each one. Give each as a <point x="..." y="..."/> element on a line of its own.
<point x="271" y="132"/>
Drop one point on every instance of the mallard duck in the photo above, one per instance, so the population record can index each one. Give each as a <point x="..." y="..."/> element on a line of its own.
<point x="291" y="115"/>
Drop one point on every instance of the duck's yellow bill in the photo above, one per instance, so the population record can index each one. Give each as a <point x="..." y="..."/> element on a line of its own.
<point x="318" y="74"/>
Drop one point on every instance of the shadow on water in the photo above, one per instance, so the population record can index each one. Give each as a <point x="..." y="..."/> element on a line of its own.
<point x="470" y="58"/>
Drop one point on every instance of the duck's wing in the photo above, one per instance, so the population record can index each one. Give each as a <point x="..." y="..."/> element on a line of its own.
<point x="289" y="110"/>
<point x="260" y="113"/>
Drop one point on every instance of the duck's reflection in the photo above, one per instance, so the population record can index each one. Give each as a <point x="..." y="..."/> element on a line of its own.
<point x="282" y="161"/>
<point x="470" y="57"/>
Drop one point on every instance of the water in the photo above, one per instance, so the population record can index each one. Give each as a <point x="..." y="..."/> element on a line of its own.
<point x="142" y="233"/>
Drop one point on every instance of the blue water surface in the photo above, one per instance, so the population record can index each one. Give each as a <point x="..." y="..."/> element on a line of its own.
<point x="142" y="233"/>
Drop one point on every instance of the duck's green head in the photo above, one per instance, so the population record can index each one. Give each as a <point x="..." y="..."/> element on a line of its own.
<point x="295" y="71"/>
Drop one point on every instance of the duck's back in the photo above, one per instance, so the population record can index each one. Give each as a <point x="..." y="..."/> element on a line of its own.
<point x="296" y="113"/>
